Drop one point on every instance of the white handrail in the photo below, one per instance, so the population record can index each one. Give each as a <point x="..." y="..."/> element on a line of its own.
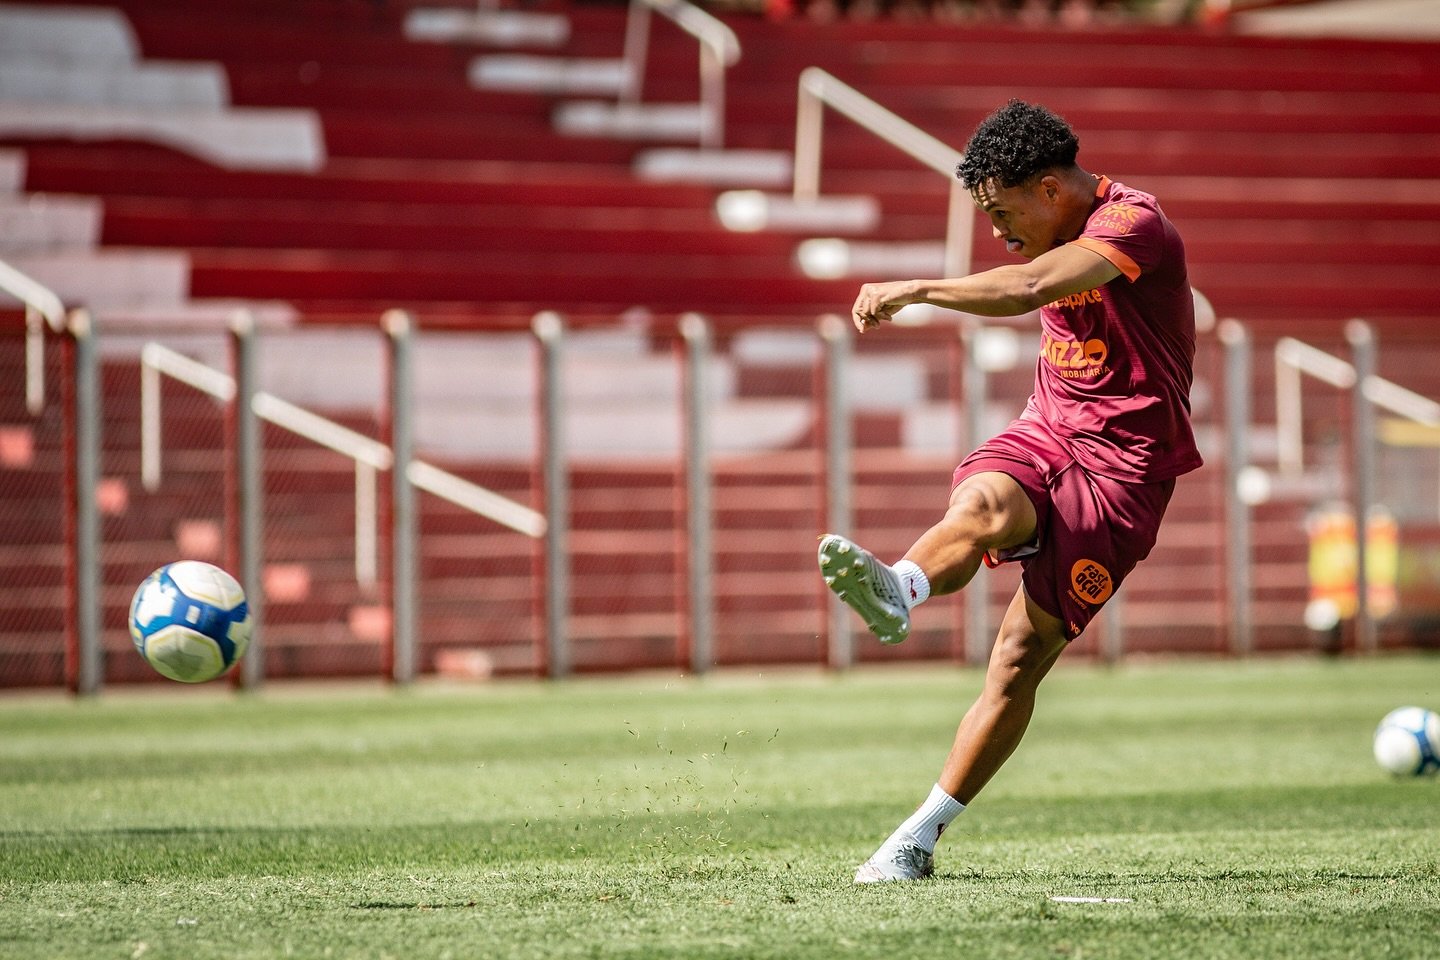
<point x="702" y="26"/>
<point x="476" y="499"/>
<point x="327" y="433"/>
<point x="719" y="48"/>
<point x="1398" y="400"/>
<point x="192" y="373"/>
<point x="820" y="89"/>
<point x="34" y="294"/>
<point x="41" y="306"/>
<point x="369" y="455"/>
<point x="1315" y="362"/>
<point x="1294" y="358"/>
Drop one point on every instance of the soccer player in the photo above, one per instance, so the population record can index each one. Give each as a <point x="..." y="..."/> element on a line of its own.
<point x="1075" y="488"/>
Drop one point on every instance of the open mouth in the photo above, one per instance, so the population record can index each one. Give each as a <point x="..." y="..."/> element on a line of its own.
<point x="1014" y="246"/>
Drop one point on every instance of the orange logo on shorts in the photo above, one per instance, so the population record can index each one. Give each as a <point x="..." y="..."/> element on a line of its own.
<point x="1091" y="581"/>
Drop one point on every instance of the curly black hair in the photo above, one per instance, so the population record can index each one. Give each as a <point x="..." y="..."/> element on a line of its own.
<point x="1015" y="143"/>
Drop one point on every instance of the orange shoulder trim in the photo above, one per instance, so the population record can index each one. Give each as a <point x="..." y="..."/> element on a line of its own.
<point x="1124" y="264"/>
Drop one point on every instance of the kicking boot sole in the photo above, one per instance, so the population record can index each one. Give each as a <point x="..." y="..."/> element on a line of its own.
<point x="848" y="571"/>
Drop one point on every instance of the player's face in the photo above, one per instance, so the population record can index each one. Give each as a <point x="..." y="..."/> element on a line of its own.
<point x="1024" y="218"/>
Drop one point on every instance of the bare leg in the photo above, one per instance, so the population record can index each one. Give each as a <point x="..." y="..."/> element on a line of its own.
<point x="988" y="511"/>
<point x="1029" y="643"/>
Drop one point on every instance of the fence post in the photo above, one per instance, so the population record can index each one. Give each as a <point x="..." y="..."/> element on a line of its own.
<point x="959" y="231"/>
<point x="84" y="656"/>
<point x="249" y="493"/>
<point x="698" y="490"/>
<point x="549" y="329"/>
<point x="839" y="471"/>
<point x="636" y="51"/>
<point x="1112" y="634"/>
<point x="400" y="326"/>
<point x="974" y="399"/>
<point x="1236" y="341"/>
<point x="809" y="129"/>
<point x="712" y="98"/>
<point x="34" y="361"/>
<point x="1363" y="350"/>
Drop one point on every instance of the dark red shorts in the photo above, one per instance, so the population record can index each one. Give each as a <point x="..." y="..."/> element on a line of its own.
<point x="1091" y="530"/>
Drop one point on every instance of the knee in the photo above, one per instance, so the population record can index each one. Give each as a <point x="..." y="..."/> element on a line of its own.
<point x="1019" y="662"/>
<point x="980" y="511"/>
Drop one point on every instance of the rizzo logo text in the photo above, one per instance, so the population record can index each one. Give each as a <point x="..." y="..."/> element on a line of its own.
<point x="1074" y="358"/>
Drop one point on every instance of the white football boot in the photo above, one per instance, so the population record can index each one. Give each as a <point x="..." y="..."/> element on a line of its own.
<point x="899" y="858"/>
<point x="870" y="587"/>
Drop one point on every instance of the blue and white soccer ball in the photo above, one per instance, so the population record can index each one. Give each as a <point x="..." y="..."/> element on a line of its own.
<point x="1407" y="742"/>
<point x="190" y="621"/>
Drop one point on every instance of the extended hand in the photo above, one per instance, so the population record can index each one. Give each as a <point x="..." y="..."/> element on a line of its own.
<point x="878" y="302"/>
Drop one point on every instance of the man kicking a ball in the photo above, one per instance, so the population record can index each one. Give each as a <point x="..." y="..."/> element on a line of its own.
<point x="1075" y="488"/>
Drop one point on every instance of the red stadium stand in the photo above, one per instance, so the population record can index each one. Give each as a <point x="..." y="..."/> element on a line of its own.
<point x="1283" y="160"/>
<point x="1304" y="174"/>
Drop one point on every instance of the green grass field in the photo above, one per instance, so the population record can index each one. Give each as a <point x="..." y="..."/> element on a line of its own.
<point x="1236" y="805"/>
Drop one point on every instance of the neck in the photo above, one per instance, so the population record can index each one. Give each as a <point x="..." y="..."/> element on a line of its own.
<point x="1079" y="198"/>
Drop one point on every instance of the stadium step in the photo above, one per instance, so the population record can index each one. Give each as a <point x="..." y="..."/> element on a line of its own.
<point x="47" y="224"/>
<point x="549" y="75"/>
<point x="504" y="28"/>
<point x="12" y="171"/>
<point x="676" y="122"/>
<point x="728" y="168"/>
<point x="106" y="279"/>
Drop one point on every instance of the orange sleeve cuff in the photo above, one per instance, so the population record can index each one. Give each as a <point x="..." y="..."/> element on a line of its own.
<point x="1124" y="264"/>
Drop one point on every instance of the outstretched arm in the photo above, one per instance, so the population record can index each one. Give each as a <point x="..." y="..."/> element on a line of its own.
<point x="1004" y="291"/>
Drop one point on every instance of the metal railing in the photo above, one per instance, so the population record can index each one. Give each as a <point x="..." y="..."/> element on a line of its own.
<point x="820" y="89"/>
<point x="719" y="49"/>
<point x="1295" y="359"/>
<point x="705" y="598"/>
<point x="42" y="306"/>
<point x="370" y="457"/>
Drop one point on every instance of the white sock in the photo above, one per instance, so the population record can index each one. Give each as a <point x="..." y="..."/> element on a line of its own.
<point x="916" y="584"/>
<point x="934" y="815"/>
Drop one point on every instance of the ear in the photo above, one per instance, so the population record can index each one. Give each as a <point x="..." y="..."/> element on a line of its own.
<point x="1050" y="187"/>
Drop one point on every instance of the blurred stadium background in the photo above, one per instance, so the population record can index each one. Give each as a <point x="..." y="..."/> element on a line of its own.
<point x="570" y="266"/>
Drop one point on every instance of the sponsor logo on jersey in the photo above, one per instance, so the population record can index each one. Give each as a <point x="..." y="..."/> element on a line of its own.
<point x="1075" y="359"/>
<point x="1118" y="218"/>
<point x="1079" y="299"/>
<point x="1091" y="582"/>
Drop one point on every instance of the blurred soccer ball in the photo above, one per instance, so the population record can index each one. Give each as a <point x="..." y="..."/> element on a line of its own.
<point x="1407" y="742"/>
<point x="190" y="621"/>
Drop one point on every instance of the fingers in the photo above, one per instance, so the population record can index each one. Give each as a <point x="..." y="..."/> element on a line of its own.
<point x="871" y="308"/>
<point x="863" y="323"/>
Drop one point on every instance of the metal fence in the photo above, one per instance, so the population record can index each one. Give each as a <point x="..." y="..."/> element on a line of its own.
<point x="648" y="493"/>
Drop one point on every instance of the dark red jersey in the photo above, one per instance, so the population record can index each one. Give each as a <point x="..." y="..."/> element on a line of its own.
<point x="1113" y="378"/>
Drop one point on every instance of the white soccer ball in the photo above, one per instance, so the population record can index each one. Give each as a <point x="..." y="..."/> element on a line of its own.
<point x="190" y="621"/>
<point x="1407" y="742"/>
